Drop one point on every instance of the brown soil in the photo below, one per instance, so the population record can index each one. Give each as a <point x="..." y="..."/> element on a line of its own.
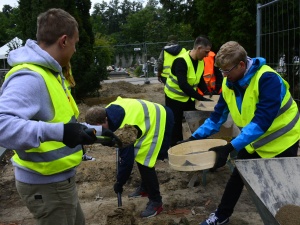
<point x="288" y="215"/>
<point x="127" y="134"/>
<point x="182" y="204"/>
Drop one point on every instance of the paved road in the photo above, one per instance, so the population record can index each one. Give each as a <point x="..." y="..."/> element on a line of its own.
<point x="134" y="80"/>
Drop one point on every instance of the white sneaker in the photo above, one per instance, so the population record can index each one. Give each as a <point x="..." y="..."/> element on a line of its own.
<point x="87" y="158"/>
<point x="214" y="220"/>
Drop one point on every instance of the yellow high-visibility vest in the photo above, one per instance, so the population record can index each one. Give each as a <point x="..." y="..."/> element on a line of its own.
<point x="285" y="129"/>
<point x="151" y="119"/>
<point x="168" y="60"/>
<point x="172" y="89"/>
<point x="51" y="157"/>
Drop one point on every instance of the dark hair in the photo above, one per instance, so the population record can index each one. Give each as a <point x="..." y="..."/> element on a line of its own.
<point x="172" y="38"/>
<point x="202" y="40"/>
<point x="54" y="23"/>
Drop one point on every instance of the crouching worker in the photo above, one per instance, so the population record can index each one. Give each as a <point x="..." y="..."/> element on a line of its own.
<point x="154" y="123"/>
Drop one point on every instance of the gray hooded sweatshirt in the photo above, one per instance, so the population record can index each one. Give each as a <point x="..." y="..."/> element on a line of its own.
<point x="25" y="105"/>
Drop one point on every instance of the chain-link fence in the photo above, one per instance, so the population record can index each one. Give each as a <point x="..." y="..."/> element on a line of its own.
<point x="2" y="75"/>
<point x="142" y="55"/>
<point x="278" y="32"/>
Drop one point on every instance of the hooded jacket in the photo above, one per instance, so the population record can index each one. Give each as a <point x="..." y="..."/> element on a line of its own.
<point x="172" y="49"/>
<point x="24" y="106"/>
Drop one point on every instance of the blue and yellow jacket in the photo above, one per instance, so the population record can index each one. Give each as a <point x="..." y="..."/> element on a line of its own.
<point x="270" y="99"/>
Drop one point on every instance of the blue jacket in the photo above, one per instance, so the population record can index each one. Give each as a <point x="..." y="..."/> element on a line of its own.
<point x="272" y="91"/>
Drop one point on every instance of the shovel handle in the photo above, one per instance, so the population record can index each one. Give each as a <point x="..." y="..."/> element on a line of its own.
<point x="119" y="200"/>
<point x="117" y="171"/>
<point x="90" y="131"/>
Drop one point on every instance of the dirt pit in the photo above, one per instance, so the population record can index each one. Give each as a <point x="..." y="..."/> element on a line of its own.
<point x="95" y="179"/>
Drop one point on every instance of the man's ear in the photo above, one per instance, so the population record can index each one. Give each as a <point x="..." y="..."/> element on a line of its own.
<point x="63" y="41"/>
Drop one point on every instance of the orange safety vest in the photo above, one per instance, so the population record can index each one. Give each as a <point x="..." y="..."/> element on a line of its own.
<point x="209" y="73"/>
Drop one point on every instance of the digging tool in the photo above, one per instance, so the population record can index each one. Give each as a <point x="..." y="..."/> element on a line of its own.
<point x="115" y="141"/>
<point x="105" y="140"/>
<point x="117" y="168"/>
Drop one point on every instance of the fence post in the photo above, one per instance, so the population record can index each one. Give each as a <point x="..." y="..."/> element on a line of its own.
<point x="258" y="29"/>
<point x="258" y="24"/>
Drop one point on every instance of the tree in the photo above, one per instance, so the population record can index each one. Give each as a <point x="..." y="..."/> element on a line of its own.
<point x="135" y="27"/>
<point x="9" y="24"/>
<point x="110" y="17"/>
<point x="29" y="10"/>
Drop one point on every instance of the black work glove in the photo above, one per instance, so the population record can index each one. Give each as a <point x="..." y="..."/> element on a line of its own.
<point x="75" y="134"/>
<point x="114" y="140"/>
<point x="191" y="138"/>
<point x="222" y="154"/>
<point x="118" y="188"/>
<point x="108" y="133"/>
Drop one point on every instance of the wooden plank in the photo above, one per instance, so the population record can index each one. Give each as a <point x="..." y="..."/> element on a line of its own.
<point x="186" y="131"/>
<point x="275" y="182"/>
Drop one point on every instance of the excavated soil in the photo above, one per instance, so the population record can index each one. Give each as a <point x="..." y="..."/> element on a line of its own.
<point x="288" y="215"/>
<point x="182" y="204"/>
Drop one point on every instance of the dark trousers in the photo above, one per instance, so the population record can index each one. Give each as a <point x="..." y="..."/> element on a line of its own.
<point x="178" y="108"/>
<point x="150" y="182"/>
<point x="235" y="183"/>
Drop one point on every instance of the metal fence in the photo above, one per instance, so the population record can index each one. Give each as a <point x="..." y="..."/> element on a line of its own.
<point x="143" y="55"/>
<point x="2" y="75"/>
<point x="278" y="31"/>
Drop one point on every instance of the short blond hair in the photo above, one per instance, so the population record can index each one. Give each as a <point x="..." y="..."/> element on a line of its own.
<point x="95" y="115"/>
<point x="230" y="53"/>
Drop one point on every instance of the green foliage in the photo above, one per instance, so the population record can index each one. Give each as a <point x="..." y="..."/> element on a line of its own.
<point x="121" y="25"/>
<point x="138" y="70"/>
<point x="84" y="76"/>
<point x="113" y="15"/>
<point x="135" y="27"/>
<point x="103" y="55"/>
<point x="9" y="28"/>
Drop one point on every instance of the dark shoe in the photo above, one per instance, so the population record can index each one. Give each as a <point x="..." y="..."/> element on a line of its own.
<point x="152" y="209"/>
<point x="139" y="192"/>
<point x="214" y="220"/>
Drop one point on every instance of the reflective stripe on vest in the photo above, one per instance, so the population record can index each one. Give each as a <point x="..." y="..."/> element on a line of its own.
<point x="168" y="60"/>
<point x="151" y="123"/>
<point x="172" y="88"/>
<point x="284" y="129"/>
<point x="51" y="157"/>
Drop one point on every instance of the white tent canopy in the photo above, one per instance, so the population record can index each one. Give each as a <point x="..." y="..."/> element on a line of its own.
<point x="15" y="43"/>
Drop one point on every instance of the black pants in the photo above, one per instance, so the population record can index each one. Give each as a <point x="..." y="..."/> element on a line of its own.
<point x="178" y="108"/>
<point x="235" y="183"/>
<point x="150" y="182"/>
